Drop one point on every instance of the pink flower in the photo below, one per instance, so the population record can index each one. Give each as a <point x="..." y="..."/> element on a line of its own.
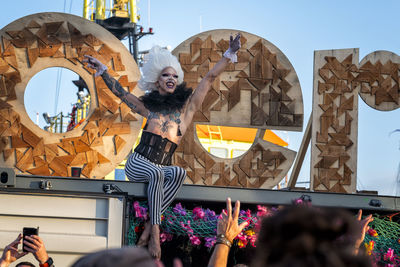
<point x="210" y="241"/>
<point x="389" y="255"/>
<point x="248" y="213"/>
<point x="165" y="237"/>
<point x="198" y="213"/>
<point x="195" y="240"/>
<point x="187" y="227"/>
<point x="140" y="212"/>
<point x="252" y="240"/>
<point x="243" y="240"/>
<point x="242" y="236"/>
<point x="298" y="201"/>
<point x="262" y="211"/>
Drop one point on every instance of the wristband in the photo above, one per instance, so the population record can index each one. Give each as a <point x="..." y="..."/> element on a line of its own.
<point x="48" y="263"/>
<point x="221" y="239"/>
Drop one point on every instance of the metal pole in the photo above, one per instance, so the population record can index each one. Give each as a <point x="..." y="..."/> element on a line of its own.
<point x="100" y="10"/>
<point x="133" y="44"/>
<point x="136" y="46"/>
<point x="133" y="11"/>
<point x="85" y="9"/>
<point x="61" y="122"/>
<point x="301" y="154"/>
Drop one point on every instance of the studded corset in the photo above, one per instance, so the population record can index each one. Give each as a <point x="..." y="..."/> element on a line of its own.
<point x="155" y="148"/>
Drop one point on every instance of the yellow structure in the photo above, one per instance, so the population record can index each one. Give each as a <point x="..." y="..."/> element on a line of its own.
<point x="97" y="9"/>
<point x="83" y="108"/>
<point x="231" y="142"/>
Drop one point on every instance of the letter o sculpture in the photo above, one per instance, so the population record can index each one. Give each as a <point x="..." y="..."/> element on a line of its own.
<point x="39" y="41"/>
<point x="261" y="91"/>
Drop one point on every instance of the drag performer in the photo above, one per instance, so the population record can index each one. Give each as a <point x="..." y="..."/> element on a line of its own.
<point x="169" y="107"/>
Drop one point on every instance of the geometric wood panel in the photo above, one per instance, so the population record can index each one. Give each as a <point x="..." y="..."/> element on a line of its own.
<point x="338" y="80"/>
<point x="379" y="80"/>
<point x="44" y="40"/>
<point x="260" y="91"/>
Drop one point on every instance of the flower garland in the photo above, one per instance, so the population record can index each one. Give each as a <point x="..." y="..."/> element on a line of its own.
<point x="199" y="225"/>
<point x="382" y="240"/>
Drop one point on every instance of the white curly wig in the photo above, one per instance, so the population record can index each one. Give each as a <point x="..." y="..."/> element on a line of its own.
<point x="158" y="59"/>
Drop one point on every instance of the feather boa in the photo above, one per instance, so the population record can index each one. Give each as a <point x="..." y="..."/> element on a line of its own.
<point x="155" y="102"/>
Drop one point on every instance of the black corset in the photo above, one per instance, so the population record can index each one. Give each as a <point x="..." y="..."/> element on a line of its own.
<point x="155" y="148"/>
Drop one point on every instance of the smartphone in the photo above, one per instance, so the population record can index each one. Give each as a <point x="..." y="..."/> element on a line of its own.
<point x="27" y="231"/>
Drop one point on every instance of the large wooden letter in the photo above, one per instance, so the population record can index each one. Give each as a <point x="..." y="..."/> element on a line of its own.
<point x="338" y="80"/>
<point x="260" y="91"/>
<point x="44" y="40"/>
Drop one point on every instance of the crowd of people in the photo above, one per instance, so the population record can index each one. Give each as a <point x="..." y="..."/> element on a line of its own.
<point x="32" y="244"/>
<point x="294" y="236"/>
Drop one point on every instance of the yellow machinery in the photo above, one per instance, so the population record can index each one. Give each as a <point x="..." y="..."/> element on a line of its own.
<point x="120" y="18"/>
<point x="96" y="9"/>
<point x="82" y="110"/>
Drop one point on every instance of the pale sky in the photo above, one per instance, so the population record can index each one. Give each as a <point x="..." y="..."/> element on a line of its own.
<point x="297" y="28"/>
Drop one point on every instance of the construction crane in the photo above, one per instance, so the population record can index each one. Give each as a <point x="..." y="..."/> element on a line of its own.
<point x="120" y="18"/>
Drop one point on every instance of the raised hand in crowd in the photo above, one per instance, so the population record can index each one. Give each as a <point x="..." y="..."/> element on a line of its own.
<point x="35" y="245"/>
<point x="227" y="229"/>
<point x="363" y="228"/>
<point x="11" y="253"/>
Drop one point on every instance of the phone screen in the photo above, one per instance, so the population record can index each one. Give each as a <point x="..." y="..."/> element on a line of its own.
<point x="27" y="231"/>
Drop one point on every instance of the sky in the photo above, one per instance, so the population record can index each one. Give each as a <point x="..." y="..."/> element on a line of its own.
<point x="297" y="28"/>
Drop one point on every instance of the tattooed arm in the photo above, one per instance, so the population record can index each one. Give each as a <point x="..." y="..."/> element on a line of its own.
<point x="205" y="84"/>
<point x="132" y="101"/>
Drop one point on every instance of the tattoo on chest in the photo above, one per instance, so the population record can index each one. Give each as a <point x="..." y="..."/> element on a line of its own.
<point x="164" y="122"/>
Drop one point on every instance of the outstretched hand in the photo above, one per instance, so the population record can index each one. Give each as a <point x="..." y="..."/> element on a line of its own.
<point x="228" y="224"/>
<point x="363" y="228"/>
<point x="234" y="44"/>
<point x="35" y="245"/>
<point x="95" y="64"/>
<point x="10" y="253"/>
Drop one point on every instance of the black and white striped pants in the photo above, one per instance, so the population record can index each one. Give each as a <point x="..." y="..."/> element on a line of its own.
<point x="164" y="183"/>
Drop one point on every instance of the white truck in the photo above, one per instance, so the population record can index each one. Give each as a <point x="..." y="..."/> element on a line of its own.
<point x="79" y="216"/>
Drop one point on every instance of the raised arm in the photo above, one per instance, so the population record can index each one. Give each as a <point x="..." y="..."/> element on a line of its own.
<point x="228" y="228"/>
<point x="363" y="228"/>
<point x="11" y="253"/>
<point x="131" y="100"/>
<point x="205" y="84"/>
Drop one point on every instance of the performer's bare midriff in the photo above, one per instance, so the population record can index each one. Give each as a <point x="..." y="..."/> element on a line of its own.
<point x="168" y="106"/>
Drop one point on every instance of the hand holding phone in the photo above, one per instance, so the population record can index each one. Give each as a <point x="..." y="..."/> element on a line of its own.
<point x="11" y="253"/>
<point x="28" y="231"/>
<point x="35" y="245"/>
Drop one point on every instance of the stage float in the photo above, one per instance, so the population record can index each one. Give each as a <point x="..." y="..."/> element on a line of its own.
<point x="261" y="91"/>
